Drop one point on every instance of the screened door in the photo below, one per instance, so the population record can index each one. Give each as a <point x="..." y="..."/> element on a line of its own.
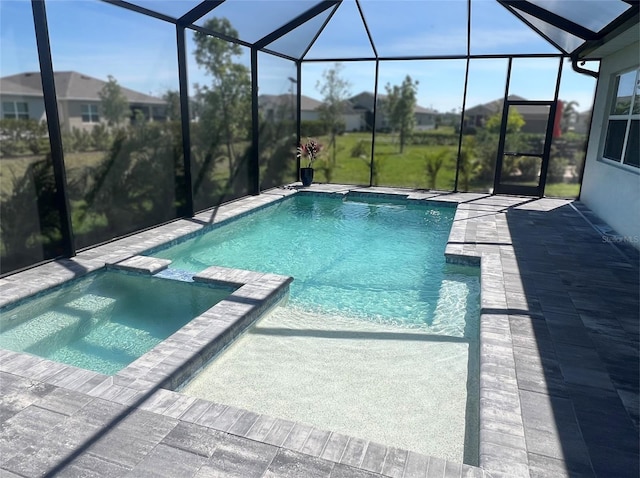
<point x="524" y="147"/>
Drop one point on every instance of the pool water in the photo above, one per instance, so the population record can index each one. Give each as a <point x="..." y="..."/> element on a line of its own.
<point x="380" y="337"/>
<point x="105" y="321"/>
<point x="381" y="261"/>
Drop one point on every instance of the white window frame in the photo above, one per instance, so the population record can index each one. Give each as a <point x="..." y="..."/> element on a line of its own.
<point x="15" y="114"/>
<point x="91" y="112"/>
<point x="628" y="117"/>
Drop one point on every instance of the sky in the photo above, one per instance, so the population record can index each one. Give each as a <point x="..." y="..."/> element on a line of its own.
<point x="99" y="39"/>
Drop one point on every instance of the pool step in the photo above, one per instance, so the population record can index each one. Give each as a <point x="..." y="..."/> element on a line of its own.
<point x="53" y="329"/>
<point x="141" y="264"/>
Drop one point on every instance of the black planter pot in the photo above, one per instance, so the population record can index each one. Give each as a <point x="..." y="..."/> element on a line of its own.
<point x="306" y="176"/>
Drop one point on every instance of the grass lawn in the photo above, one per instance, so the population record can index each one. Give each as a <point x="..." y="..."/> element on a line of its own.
<point x="12" y="169"/>
<point x="353" y="152"/>
<point x="562" y="190"/>
<point x="393" y="169"/>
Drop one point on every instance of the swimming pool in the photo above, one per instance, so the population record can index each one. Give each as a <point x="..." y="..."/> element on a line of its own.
<point x="345" y="256"/>
<point x="104" y="321"/>
<point x="379" y="338"/>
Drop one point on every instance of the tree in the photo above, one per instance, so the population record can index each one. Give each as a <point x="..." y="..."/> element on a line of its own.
<point x="335" y="90"/>
<point x="400" y="106"/>
<point x="488" y="139"/>
<point x="569" y="115"/>
<point x="226" y="104"/>
<point x="515" y="122"/>
<point x="115" y="106"/>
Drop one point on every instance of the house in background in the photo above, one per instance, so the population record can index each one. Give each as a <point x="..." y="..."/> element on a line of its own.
<point x="425" y="118"/>
<point x="357" y="114"/>
<point x="79" y="104"/>
<point x="363" y="102"/>
<point x="535" y="117"/>
<point x="282" y="106"/>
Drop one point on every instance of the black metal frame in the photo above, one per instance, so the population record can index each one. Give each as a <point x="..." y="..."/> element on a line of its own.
<point x="53" y="124"/>
<point x="185" y="119"/>
<point x="498" y="187"/>
<point x="187" y="21"/>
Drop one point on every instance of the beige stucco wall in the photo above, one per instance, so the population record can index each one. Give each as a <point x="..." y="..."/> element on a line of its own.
<point x="610" y="190"/>
<point x="307" y="115"/>
<point x="35" y="105"/>
<point x="72" y="117"/>
<point x="353" y="122"/>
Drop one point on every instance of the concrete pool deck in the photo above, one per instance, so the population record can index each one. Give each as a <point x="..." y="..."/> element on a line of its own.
<point x="559" y="367"/>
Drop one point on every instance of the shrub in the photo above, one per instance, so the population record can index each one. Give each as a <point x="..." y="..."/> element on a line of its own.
<point x="313" y="128"/>
<point x="529" y="167"/>
<point x="431" y="138"/>
<point x="100" y="137"/>
<point x="360" y="150"/>
<point x="557" y="167"/>
<point x="22" y="137"/>
<point x="82" y="139"/>
<point x="435" y="161"/>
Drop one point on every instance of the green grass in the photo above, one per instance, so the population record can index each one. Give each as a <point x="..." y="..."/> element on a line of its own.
<point x="14" y="168"/>
<point x="562" y="190"/>
<point x="394" y="169"/>
<point x="408" y="169"/>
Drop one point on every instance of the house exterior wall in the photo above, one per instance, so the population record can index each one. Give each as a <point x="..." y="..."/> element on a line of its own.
<point x="35" y="105"/>
<point x="610" y="190"/>
<point x="70" y="111"/>
<point x="425" y="121"/>
<point x="535" y="124"/>
<point x="353" y="122"/>
<point x="307" y="115"/>
<point x="73" y="114"/>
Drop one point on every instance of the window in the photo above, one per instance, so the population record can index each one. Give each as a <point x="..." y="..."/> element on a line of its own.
<point x="90" y="114"/>
<point x="622" y="143"/>
<point x="15" y="110"/>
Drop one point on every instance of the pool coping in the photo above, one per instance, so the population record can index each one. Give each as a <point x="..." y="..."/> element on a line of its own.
<point x="148" y="381"/>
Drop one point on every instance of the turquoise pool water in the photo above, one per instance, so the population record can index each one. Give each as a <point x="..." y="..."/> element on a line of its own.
<point x="382" y="261"/>
<point x="104" y="321"/>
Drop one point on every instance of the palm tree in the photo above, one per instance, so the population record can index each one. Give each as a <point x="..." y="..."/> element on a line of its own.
<point x="569" y="115"/>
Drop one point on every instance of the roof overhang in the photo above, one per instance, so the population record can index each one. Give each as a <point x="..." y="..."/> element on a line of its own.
<point x="621" y="34"/>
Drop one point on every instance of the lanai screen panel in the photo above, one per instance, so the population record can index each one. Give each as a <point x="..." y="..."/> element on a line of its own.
<point x="120" y="127"/>
<point x="298" y="41"/>
<point x="30" y="228"/>
<point x="595" y="15"/>
<point x="278" y="114"/>
<point x="569" y="23"/>
<point x="253" y="19"/>
<point x="424" y="156"/>
<point x="172" y="8"/>
<point x="425" y="28"/>
<point x="221" y="129"/>
<point x="337" y="109"/>
<point x="344" y="37"/>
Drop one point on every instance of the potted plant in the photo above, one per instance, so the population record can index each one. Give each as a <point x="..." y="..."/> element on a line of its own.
<point x="308" y="151"/>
